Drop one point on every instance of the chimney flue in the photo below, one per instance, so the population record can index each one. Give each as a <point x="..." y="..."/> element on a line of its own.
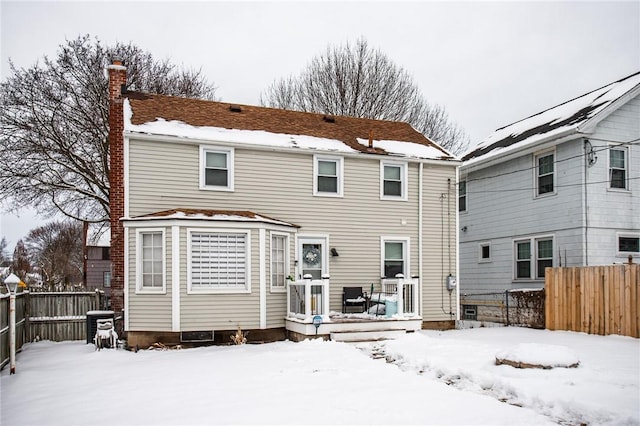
<point x="117" y="79"/>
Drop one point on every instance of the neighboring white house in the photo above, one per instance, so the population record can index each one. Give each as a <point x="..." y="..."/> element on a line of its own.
<point x="224" y="209"/>
<point x="559" y="188"/>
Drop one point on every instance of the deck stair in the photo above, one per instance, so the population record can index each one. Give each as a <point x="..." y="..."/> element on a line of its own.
<point x="366" y="335"/>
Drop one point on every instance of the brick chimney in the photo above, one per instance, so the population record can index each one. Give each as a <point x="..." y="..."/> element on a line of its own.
<point x="117" y="80"/>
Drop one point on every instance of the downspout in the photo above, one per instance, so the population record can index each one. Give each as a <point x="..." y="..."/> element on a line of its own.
<point x="585" y="220"/>
<point x="420" y="239"/>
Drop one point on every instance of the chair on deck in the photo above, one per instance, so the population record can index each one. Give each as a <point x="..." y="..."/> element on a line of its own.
<point x="353" y="297"/>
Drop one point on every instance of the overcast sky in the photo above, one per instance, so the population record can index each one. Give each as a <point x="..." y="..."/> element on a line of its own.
<point x="488" y="63"/>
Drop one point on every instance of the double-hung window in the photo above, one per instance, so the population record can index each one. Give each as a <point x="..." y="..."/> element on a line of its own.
<point x="393" y="181"/>
<point x="462" y="196"/>
<point x="150" y="266"/>
<point x="545" y="175"/>
<point x="216" y="168"/>
<point x="328" y="172"/>
<point x="279" y="261"/>
<point x="618" y="168"/>
<point x="218" y="261"/>
<point x="532" y="256"/>
<point x="395" y="256"/>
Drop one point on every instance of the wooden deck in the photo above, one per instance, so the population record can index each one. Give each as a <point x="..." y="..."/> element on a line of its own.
<point x="353" y="327"/>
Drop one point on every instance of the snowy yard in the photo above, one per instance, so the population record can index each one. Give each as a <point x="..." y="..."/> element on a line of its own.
<point x="432" y="378"/>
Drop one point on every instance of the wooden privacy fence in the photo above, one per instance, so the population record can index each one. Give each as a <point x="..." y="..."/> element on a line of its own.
<point x="593" y="299"/>
<point x="47" y="316"/>
<point x="4" y="325"/>
<point x="60" y="316"/>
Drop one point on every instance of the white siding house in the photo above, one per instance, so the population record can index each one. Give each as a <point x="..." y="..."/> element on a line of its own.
<point x="559" y="188"/>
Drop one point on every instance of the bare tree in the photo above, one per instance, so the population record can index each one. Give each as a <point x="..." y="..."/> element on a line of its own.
<point x="358" y="81"/>
<point x="21" y="265"/>
<point x="54" y="125"/>
<point x="5" y="259"/>
<point x="56" y="250"/>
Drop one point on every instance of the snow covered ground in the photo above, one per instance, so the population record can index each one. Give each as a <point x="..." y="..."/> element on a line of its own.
<point x="424" y="378"/>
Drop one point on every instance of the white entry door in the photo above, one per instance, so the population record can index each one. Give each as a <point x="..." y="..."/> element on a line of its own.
<point x="312" y="257"/>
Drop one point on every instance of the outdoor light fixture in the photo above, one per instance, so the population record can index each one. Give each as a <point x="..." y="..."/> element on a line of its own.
<point x="334" y="253"/>
<point x="12" y="282"/>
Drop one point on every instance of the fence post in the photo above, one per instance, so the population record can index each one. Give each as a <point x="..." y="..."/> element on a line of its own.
<point x="27" y="314"/>
<point x="506" y="299"/>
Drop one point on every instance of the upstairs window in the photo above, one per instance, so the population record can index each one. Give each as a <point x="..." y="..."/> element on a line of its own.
<point x="462" y="196"/>
<point x="216" y="168"/>
<point x="393" y="181"/>
<point x="545" y="174"/>
<point x="106" y="279"/>
<point x="328" y="176"/>
<point x="618" y="168"/>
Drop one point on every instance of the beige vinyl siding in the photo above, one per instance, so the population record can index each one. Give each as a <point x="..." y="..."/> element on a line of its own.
<point x="280" y="185"/>
<point x="221" y="311"/>
<point x="149" y="312"/>
<point x="439" y="230"/>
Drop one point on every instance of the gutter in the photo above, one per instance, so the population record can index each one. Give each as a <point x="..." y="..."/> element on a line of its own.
<point x="352" y="153"/>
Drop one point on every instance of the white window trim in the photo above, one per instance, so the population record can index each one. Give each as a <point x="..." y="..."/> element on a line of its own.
<point x="230" y="152"/>
<point x="312" y="239"/>
<point x="625" y="254"/>
<point x="287" y="256"/>
<point x="534" y="256"/>
<point x="485" y="244"/>
<point x="340" y="175"/>
<point x="222" y="290"/>
<point x="405" y="252"/>
<point x="627" y="163"/>
<point x="404" y="173"/>
<point x="466" y="198"/>
<point x="535" y="173"/>
<point x="140" y="289"/>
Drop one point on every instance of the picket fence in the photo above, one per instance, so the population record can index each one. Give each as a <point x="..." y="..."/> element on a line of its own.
<point x="593" y="299"/>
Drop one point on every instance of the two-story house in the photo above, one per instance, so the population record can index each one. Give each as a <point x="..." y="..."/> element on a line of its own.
<point x="227" y="216"/>
<point x="559" y="188"/>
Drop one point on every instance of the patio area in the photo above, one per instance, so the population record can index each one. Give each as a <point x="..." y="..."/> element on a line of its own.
<point x="388" y="310"/>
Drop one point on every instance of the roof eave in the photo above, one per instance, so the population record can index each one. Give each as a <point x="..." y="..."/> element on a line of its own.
<point x="590" y="125"/>
<point x="156" y="137"/>
<point x="478" y="163"/>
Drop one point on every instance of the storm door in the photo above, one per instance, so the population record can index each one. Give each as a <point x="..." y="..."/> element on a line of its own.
<point x="312" y="257"/>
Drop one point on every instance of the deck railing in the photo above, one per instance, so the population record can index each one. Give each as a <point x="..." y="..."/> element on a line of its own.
<point x="406" y="291"/>
<point x="308" y="297"/>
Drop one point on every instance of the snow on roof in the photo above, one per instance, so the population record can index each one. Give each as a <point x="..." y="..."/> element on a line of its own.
<point x="251" y="137"/>
<point x="271" y="127"/>
<point x="559" y="120"/>
<point x="211" y="215"/>
<point x="405" y="149"/>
